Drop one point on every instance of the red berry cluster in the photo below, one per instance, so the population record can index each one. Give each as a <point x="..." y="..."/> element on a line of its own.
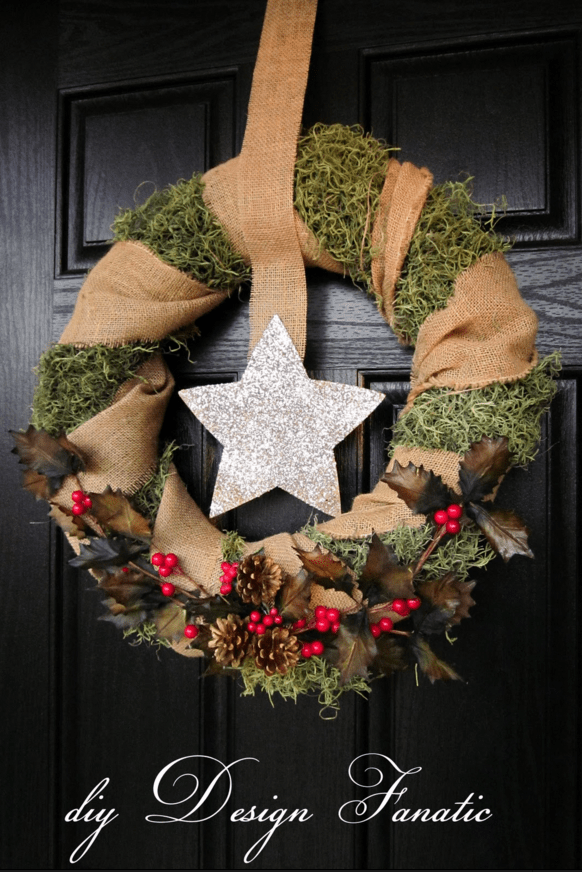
<point x="450" y="517"/>
<point x="229" y="571"/>
<point x="327" y="619"/>
<point x="191" y="631"/>
<point x="312" y="648"/>
<point x="384" y="625"/>
<point x="164" y="563"/>
<point x="82" y="502"/>
<point x="259" y="623"/>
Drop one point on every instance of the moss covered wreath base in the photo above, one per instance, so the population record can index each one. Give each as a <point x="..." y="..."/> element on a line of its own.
<point x="346" y="603"/>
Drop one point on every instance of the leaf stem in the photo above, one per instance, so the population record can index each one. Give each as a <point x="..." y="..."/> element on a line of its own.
<point x="441" y="531"/>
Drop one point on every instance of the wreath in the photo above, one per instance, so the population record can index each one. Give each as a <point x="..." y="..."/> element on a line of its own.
<point x="338" y="603"/>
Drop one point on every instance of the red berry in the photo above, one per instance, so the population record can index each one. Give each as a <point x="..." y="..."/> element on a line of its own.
<point x="157" y="559"/>
<point x="170" y="560"/>
<point x="317" y="647"/>
<point x="375" y="630"/>
<point x="251" y="626"/>
<point x="191" y="631"/>
<point x="385" y="624"/>
<point x="278" y="619"/>
<point x="441" y="517"/>
<point x="230" y="572"/>
<point x="234" y="565"/>
<point x="77" y="496"/>
<point x="454" y="511"/>
<point x="333" y="615"/>
<point x="168" y="588"/>
<point x="273" y="611"/>
<point x="307" y="650"/>
<point x="226" y="588"/>
<point x="255" y="616"/>
<point x="260" y="629"/>
<point x="453" y="527"/>
<point x="335" y="627"/>
<point x="322" y="626"/>
<point x="414" y="603"/>
<point x="224" y="566"/>
<point x="88" y="502"/>
<point x="124" y="569"/>
<point x="298" y="625"/>
<point x="401" y="607"/>
<point x="320" y="612"/>
<point x="164" y="571"/>
<point x="78" y="509"/>
<point x="268" y="620"/>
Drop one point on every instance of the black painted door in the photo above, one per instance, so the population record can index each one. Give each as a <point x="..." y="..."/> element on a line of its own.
<point x="100" y="97"/>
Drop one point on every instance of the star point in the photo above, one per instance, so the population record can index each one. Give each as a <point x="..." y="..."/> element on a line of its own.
<point x="278" y="427"/>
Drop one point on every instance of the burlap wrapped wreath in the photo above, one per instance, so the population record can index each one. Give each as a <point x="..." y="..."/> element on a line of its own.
<point x="324" y="609"/>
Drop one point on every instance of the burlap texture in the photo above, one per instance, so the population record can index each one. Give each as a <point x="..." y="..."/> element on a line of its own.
<point x="120" y="444"/>
<point x="266" y="166"/>
<point x="485" y="334"/>
<point x="132" y="296"/>
<point x="401" y="202"/>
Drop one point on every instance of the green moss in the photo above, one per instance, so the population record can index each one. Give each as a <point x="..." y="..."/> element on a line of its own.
<point x="447" y="240"/>
<point x="176" y="224"/>
<point x="314" y="676"/>
<point x="460" y="553"/>
<point x="452" y="420"/>
<point x="75" y="384"/>
<point x="233" y="546"/>
<point x="148" y="498"/>
<point x="339" y="175"/>
<point x="146" y="633"/>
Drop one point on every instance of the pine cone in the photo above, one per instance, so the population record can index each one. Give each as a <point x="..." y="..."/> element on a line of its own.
<point x="259" y="578"/>
<point x="230" y="639"/>
<point x="276" y="651"/>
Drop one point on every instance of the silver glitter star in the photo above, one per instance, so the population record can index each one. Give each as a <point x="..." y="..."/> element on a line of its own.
<point x="279" y="427"/>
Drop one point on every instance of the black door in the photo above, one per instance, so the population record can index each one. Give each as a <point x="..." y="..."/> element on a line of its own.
<point x="100" y="97"/>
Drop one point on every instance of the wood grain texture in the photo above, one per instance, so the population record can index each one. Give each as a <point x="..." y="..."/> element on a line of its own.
<point x="27" y="133"/>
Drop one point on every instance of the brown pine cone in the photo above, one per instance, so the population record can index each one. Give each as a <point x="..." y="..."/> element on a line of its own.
<point x="277" y="650"/>
<point x="259" y="578"/>
<point x="230" y="639"/>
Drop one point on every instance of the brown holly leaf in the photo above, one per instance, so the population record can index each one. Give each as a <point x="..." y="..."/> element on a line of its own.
<point x="483" y="466"/>
<point x="106" y="553"/>
<point x="170" y="622"/>
<point x="450" y="595"/>
<point x="382" y="578"/>
<point x="433" y="668"/>
<point x="37" y="484"/>
<point x="294" y="595"/>
<point x="327" y="570"/>
<point x="354" y="647"/>
<point x="213" y="607"/>
<point x="422" y="490"/>
<point x="127" y="588"/>
<point x="112" y="509"/>
<point x="54" y="458"/>
<point x="390" y="657"/>
<point x="73" y="525"/>
<point x="504" y="530"/>
<point x="124" y="617"/>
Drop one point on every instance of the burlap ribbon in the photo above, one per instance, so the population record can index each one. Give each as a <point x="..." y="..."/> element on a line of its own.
<point x="485" y="334"/>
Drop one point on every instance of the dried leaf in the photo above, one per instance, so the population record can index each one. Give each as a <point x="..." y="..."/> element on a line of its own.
<point x="122" y="616"/>
<point x="129" y="588"/>
<point x="113" y="509"/>
<point x="449" y="594"/>
<point x="505" y="531"/>
<point x="294" y="595"/>
<point x="483" y="466"/>
<point x="382" y="578"/>
<point x="54" y="458"/>
<point x="327" y="570"/>
<point x="106" y="553"/>
<point x="73" y="525"/>
<point x="37" y="484"/>
<point x="354" y="647"/>
<point x="213" y="607"/>
<point x="422" y="490"/>
<point x="429" y="621"/>
<point x="433" y="668"/>
<point x="170" y="622"/>
<point x="390" y="657"/>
